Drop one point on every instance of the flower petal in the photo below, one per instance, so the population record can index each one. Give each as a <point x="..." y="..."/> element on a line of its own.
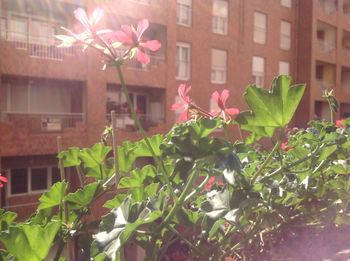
<point x="153" y="45"/>
<point x="232" y="111"/>
<point x="215" y="96"/>
<point x="82" y="17"/>
<point x="224" y="95"/>
<point x="177" y="106"/>
<point x="3" y="179"/>
<point x="96" y="16"/>
<point x="122" y="37"/>
<point x="142" y="57"/>
<point x="141" y="28"/>
<point x="183" y="116"/>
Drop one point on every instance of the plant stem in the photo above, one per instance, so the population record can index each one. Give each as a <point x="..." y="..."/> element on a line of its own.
<point x="115" y="151"/>
<point x="141" y="129"/>
<point x="178" y="204"/>
<point x="267" y="161"/>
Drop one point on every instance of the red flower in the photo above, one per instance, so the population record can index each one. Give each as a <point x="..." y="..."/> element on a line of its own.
<point x="211" y="182"/>
<point x="340" y="123"/>
<point x="284" y="146"/>
<point x="186" y="101"/>
<point x="221" y="99"/>
<point x="2" y="179"/>
<point x="130" y="37"/>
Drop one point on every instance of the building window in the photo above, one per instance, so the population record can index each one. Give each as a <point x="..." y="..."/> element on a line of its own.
<point x="285" y="38"/>
<point x="184" y="12"/>
<point x="218" y="66"/>
<point x="3" y="28"/>
<point x="220" y="15"/>
<point x="283" y="68"/>
<point x="259" y="28"/>
<point x="286" y="3"/>
<point x="19" y="29"/>
<point x="183" y="63"/>
<point x="258" y="71"/>
<point x="32" y="180"/>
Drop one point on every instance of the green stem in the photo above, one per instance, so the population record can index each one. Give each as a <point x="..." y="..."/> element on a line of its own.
<point x="158" y="161"/>
<point x="178" y="204"/>
<point x="267" y="161"/>
<point x="59" y="250"/>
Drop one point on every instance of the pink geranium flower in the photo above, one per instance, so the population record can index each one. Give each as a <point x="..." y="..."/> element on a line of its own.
<point x="2" y="179"/>
<point x="184" y="104"/>
<point x="340" y="123"/>
<point x="222" y="111"/>
<point x="132" y="38"/>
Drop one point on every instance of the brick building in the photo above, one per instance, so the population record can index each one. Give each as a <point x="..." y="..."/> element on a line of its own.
<point x="47" y="92"/>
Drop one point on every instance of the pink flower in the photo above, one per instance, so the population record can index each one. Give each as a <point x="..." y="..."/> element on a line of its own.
<point x="340" y="123"/>
<point x="2" y="179"/>
<point x="210" y="183"/>
<point x="284" y="146"/>
<point x="184" y="104"/>
<point x="128" y="36"/>
<point x="221" y="101"/>
<point x="89" y="24"/>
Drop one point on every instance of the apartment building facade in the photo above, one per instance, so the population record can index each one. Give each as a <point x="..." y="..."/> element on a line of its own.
<point x="47" y="91"/>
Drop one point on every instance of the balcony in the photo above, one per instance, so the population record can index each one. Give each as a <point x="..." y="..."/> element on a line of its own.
<point x="325" y="75"/>
<point x="326" y="39"/>
<point x="328" y="6"/>
<point x="41" y="106"/>
<point x="148" y="102"/>
<point x="346" y="8"/>
<point x="345" y="79"/>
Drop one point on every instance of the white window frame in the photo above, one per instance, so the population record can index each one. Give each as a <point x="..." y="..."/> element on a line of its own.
<point x="184" y="12"/>
<point x="220" y="22"/>
<point x="286" y="3"/>
<point x="188" y="64"/>
<point x="258" y="29"/>
<point x="281" y="64"/>
<point x="215" y="69"/>
<point x="258" y="77"/>
<point x="285" y="39"/>
<point x="29" y="181"/>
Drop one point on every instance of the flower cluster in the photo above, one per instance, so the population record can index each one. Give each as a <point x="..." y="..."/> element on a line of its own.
<point x="187" y="108"/>
<point x="2" y="180"/>
<point x="107" y="41"/>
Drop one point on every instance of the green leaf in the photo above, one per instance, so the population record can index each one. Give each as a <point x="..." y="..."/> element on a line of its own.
<point x="134" y="181"/>
<point x="115" y="202"/>
<point x="53" y="197"/>
<point x="203" y="127"/>
<point x="83" y="197"/>
<point x="70" y="157"/>
<point x="119" y="225"/>
<point x="6" y="218"/>
<point x="29" y="242"/>
<point x="270" y="109"/>
<point x="326" y="152"/>
<point x="126" y="156"/>
<point x="142" y="150"/>
<point x="95" y="156"/>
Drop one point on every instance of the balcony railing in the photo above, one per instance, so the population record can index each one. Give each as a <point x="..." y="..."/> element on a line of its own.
<point x="125" y="121"/>
<point x="326" y="47"/>
<point x="324" y="85"/>
<point x="329" y="6"/>
<point x="38" y="47"/>
<point x="43" y="122"/>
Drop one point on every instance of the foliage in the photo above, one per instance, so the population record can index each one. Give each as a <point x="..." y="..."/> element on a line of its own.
<point x="214" y="197"/>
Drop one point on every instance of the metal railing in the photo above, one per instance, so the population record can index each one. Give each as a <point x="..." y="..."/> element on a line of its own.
<point x="125" y="121"/>
<point x="42" y="122"/>
<point x="325" y="46"/>
<point x="329" y="6"/>
<point x="38" y="46"/>
<point x="324" y="85"/>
